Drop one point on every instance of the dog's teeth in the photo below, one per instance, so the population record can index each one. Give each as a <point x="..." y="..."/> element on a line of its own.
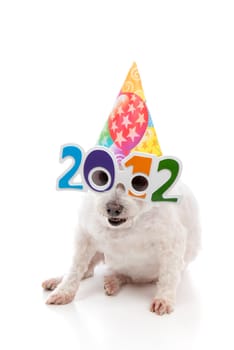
<point x="116" y="221"/>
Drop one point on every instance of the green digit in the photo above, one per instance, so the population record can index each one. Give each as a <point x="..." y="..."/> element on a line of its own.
<point x="173" y="166"/>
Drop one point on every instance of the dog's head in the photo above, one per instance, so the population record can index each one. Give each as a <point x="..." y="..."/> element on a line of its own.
<point x="117" y="210"/>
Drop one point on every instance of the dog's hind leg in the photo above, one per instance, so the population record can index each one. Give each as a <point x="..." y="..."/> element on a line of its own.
<point x="113" y="283"/>
<point x="51" y="283"/>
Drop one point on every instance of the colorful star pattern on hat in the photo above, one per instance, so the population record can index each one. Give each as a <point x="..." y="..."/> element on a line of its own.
<point x="129" y="127"/>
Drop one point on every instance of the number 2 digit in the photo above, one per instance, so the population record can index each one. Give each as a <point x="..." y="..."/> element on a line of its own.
<point x="173" y="166"/>
<point x="76" y="154"/>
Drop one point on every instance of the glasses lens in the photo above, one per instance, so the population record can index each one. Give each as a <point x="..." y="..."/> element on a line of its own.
<point x="139" y="183"/>
<point x="100" y="178"/>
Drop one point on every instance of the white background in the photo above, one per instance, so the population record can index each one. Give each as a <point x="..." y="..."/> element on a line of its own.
<point x="62" y="64"/>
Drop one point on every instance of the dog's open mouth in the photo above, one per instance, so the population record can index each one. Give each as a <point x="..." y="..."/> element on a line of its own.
<point x="116" y="221"/>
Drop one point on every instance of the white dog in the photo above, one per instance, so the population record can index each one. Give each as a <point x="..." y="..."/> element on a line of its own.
<point x="139" y="242"/>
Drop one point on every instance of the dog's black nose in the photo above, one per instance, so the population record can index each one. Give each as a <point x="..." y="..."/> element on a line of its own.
<point x="114" y="209"/>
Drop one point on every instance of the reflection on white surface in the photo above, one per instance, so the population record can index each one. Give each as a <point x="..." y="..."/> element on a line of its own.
<point x="95" y="320"/>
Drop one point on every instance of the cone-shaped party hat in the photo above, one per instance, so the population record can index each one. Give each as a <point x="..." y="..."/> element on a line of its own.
<point x="129" y="127"/>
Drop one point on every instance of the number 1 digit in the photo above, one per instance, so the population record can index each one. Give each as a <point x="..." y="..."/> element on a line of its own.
<point x="140" y="165"/>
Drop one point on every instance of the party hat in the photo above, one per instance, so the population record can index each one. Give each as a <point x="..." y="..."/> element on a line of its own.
<point x="129" y="127"/>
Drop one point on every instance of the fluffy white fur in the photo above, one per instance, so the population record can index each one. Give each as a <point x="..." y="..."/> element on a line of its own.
<point x="154" y="244"/>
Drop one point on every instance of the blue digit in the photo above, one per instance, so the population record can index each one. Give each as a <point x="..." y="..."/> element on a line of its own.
<point x="76" y="154"/>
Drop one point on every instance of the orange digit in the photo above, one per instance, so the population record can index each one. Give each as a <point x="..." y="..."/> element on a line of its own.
<point x="142" y="165"/>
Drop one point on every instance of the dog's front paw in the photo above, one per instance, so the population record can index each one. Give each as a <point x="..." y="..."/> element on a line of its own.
<point x="60" y="297"/>
<point x="111" y="284"/>
<point x="161" y="306"/>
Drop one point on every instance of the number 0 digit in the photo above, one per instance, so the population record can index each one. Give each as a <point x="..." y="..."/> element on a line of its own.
<point x="99" y="170"/>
